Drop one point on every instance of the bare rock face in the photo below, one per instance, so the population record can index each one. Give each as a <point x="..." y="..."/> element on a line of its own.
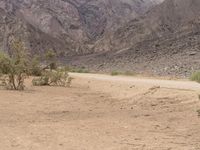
<point x="166" y="40"/>
<point x="70" y="27"/>
<point x="169" y="18"/>
<point x="44" y="25"/>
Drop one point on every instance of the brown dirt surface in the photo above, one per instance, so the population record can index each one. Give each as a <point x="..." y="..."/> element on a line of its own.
<point x="103" y="113"/>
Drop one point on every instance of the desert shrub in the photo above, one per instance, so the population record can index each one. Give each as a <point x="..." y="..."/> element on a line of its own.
<point x="50" y="55"/>
<point x="35" y="69"/>
<point x="127" y="73"/>
<point x="198" y="111"/>
<point x="41" y="81"/>
<point x="115" y="73"/>
<point x="14" y="68"/>
<point x="4" y="63"/>
<point x="75" y="69"/>
<point x="17" y="66"/>
<point x="53" y="78"/>
<point x="51" y="74"/>
<point x="79" y="70"/>
<point x="50" y="58"/>
<point x="195" y="77"/>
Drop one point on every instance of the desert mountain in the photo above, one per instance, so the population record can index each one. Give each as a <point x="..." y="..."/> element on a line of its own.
<point x="166" y="40"/>
<point x="70" y="27"/>
<point x="161" y="37"/>
<point x="169" y="18"/>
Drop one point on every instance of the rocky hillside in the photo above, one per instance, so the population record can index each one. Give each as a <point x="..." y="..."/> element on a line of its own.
<point x="70" y="27"/>
<point x="166" y="40"/>
<point x="155" y="36"/>
<point x="171" y="18"/>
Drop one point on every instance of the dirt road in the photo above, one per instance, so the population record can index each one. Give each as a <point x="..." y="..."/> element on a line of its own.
<point x="103" y="113"/>
<point x="172" y="84"/>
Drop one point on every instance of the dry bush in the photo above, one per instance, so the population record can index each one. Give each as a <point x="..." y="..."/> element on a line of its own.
<point x="198" y="111"/>
<point x="195" y="77"/>
<point x="53" y="78"/>
<point x="79" y="70"/>
<point x="52" y="75"/>
<point x="115" y="73"/>
<point x="35" y="68"/>
<point x="14" y="68"/>
<point x="17" y="66"/>
<point x="127" y="73"/>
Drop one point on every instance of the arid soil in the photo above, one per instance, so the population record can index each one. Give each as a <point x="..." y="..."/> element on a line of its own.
<point x="102" y="113"/>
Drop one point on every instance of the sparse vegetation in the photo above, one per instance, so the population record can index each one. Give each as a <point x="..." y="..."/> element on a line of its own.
<point x="53" y="78"/>
<point x="79" y="70"/>
<point x="14" y="68"/>
<point x="76" y="70"/>
<point x="198" y="111"/>
<point x="127" y="73"/>
<point x="52" y="75"/>
<point x="195" y="77"/>
<point x="35" y="68"/>
<point x="50" y="58"/>
<point x="115" y="73"/>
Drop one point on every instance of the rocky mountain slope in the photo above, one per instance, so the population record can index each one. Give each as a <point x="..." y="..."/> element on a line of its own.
<point x="166" y="40"/>
<point x="138" y="35"/>
<point x="170" y="18"/>
<point x="70" y="27"/>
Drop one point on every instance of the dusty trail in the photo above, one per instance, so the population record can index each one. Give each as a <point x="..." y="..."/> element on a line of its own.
<point x="103" y="113"/>
<point x="172" y="84"/>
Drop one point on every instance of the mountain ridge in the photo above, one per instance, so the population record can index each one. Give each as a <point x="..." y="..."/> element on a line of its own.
<point x="69" y="27"/>
<point x="160" y="37"/>
<point x="164" y="41"/>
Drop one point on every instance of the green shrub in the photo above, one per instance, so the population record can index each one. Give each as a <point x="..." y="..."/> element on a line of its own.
<point x="115" y="73"/>
<point x="127" y="73"/>
<point x="75" y="70"/>
<point x="17" y="66"/>
<point x="51" y="74"/>
<point x="195" y="77"/>
<point x="50" y="58"/>
<point x="41" y="81"/>
<point x="35" y="69"/>
<point x="14" y="68"/>
<point x="53" y="78"/>
<point x="79" y="70"/>
<point x="198" y="111"/>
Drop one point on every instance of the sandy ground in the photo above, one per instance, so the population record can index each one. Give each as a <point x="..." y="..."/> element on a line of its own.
<point x="102" y="113"/>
